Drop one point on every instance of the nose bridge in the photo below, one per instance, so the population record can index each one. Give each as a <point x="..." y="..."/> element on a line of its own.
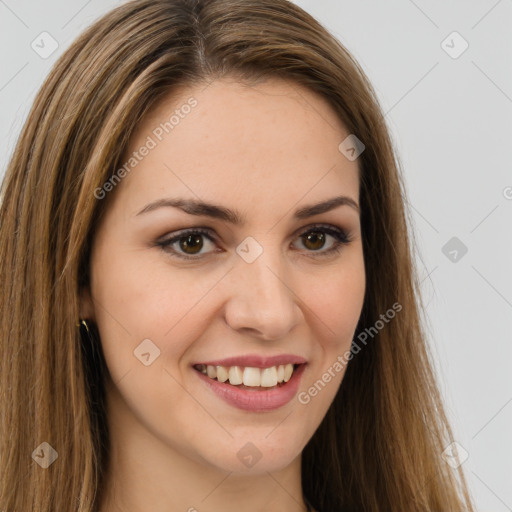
<point x="264" y="277"/>
<point x="260" y="297"/>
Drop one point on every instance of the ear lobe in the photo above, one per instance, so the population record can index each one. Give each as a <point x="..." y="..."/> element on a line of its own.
<point x="86" y="304"/>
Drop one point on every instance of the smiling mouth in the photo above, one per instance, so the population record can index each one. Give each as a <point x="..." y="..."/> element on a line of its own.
<point x="248" y="377"/>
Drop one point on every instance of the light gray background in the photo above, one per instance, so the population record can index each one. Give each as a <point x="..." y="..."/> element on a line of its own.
<point x="451" y="120"/>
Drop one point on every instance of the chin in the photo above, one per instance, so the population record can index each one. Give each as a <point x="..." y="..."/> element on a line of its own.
<point x="255" y="454"/>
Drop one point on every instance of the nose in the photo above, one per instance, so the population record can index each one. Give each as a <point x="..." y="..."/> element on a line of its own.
<point x="262" y="301"/>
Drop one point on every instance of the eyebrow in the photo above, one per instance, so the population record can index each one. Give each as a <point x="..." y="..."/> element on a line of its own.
<point x="201" y="208"/>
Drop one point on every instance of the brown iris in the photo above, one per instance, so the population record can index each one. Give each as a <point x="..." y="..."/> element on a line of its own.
<point x="194" y="242"/>
<point x="315" y="238"/>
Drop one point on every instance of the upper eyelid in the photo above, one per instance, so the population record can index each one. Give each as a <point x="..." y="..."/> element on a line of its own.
<point x="209" y="232"/>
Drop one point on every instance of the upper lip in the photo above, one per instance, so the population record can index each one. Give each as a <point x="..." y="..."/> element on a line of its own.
<point x="256" y="361"/>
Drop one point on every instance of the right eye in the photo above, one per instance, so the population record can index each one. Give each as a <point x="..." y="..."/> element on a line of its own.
<point x="186" y="244"/>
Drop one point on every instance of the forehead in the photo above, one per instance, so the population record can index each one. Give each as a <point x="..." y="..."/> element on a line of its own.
<point x="236" y="143"/>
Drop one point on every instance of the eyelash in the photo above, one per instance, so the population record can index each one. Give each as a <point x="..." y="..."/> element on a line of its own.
<point x="340" y="236"/>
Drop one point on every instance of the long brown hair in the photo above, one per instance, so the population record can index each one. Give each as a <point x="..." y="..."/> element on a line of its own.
<point x="379" y="447"/>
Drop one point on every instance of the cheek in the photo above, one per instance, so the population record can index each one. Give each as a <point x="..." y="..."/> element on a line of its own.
<point x="150" y="313"/>
<point x="336" y="300"/>
<point x="141" y="299"/>
<point x="335" y="312"/>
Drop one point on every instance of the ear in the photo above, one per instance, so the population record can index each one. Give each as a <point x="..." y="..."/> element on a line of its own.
<point x="86" y="304"/>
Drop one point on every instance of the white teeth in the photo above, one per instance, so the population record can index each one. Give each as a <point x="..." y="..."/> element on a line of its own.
<point x="252" y="376"/>
<point x="249" y="376"/>
<point x="269" y="377"/>
<point x="235" y="375"/>
<point x="222" y="374"/>
<point x="288" y="370"/>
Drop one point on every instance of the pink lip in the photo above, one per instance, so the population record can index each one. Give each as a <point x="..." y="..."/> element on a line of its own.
<point x="255" y="400"/>
<point x="256" y="361"/>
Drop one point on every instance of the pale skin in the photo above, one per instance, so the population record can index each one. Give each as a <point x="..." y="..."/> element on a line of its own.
<point x="264" y="151"/>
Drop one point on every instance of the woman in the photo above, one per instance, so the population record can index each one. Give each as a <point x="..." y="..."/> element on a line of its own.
<point x="208" y="296"/>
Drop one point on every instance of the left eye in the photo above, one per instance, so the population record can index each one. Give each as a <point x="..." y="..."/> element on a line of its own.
<point x="191" y="242"/>
<point x="316" y="238"/>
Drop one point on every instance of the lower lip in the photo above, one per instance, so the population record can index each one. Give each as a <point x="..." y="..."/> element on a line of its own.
<point x="256" y="401"/>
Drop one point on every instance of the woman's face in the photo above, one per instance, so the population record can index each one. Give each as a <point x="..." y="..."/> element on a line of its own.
<point x="262" y="279"/>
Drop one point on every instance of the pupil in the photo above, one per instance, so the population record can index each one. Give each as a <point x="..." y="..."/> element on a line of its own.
<point x="192" y="242"/>
<point x="316" y="237"/>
